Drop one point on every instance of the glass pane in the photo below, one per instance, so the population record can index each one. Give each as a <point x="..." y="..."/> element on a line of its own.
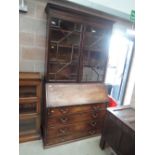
<point x="28" y="108"/>
<point x="94" y="54"/>
<point x="63" y="54"/>
<point x="27" y="91"/>
<point x="64" y="32"/>
<point x="65" y="71"/>
<point x="27" y="125"/>
<point x="62" y="37"/>
<point x="63" y="50"/>
<point x="65" y="25"/>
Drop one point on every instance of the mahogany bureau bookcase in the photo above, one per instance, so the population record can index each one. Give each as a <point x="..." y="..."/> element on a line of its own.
<point x="76" y="59"/>
<point x="73" y="111"/>
<point x="29" y="106"/>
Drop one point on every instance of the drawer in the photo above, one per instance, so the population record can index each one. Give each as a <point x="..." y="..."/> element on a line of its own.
<point x="77" y="127"/>
<point x="29" y="124"/>
<point x="52" y="112"/>
<point x="70" y="119"/>
<point x="62" y="139"/>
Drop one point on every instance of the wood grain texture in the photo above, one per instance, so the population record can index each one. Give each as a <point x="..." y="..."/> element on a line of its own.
<point x="71" y="138"/>
<point x="73" y="128"/>
<point x="53" y="112"/>
<point x="29" y="76"/>
<point x="126" y="114"/>
<point x="75" y="94"/>
<point x="119" y="130"/>
<point x="71" y="123"/>
<point x="30" y="89"/>
<point x="29" y="137"/>
<point x="74" y="118"/>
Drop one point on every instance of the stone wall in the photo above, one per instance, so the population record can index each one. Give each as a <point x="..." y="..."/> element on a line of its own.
<point x="32" y="37"/>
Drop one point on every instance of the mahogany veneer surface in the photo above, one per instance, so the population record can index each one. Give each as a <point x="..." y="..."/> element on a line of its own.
<point x="72" y="112"/>
<point x="119" y="130"/>
<point x="75" y="94"/>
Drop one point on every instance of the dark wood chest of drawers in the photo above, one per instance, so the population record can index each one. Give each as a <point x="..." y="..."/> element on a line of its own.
<point x="119" y="130"/>
<point x="72" y="120"/>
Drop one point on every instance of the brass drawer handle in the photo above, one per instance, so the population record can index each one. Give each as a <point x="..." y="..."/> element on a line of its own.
<point x="93" y="123"/>
<point x="50" y="112"/>
<point x="63" y="131"/>
<point x="94" y="115"/>
<point x="64" y="119"/>
<point x="62" y="139"/>
<point x="96" y="108"/>
<point x="92" y="132"/>
<point x="64" y="111"/>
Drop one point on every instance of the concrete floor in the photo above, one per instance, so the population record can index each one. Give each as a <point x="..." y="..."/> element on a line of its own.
<point x="88" y="146"/>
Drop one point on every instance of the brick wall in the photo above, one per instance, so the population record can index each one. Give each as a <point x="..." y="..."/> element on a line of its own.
<point x="32" y="36"/>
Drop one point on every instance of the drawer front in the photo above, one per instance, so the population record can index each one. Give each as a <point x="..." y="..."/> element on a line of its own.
<point x="53" y="112"/>
<point x="52" y="141"/>
<point x="70" y="129"/>
<point x="70" y="119"/>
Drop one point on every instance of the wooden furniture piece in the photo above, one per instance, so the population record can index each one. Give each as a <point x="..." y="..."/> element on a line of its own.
<point x="119" y="130"/>
<point x="77" y="43"/>
<point x="29" y="106"/>
<point x="72" y="112"/>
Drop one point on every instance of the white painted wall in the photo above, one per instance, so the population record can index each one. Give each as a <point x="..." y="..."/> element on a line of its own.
<point x="132" y="103"/>
<point x="124" y="6"/>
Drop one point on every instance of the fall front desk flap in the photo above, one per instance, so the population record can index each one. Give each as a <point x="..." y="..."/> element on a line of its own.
<point x="75" y="94"/>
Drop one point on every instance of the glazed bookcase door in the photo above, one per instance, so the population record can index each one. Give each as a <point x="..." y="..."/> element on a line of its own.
<point x="27" y="91"/>
<point x="95" y="43"/>
<point x="63" y="50"/>
<point x="29" y="107"/>
<point x="29" y="125"/>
